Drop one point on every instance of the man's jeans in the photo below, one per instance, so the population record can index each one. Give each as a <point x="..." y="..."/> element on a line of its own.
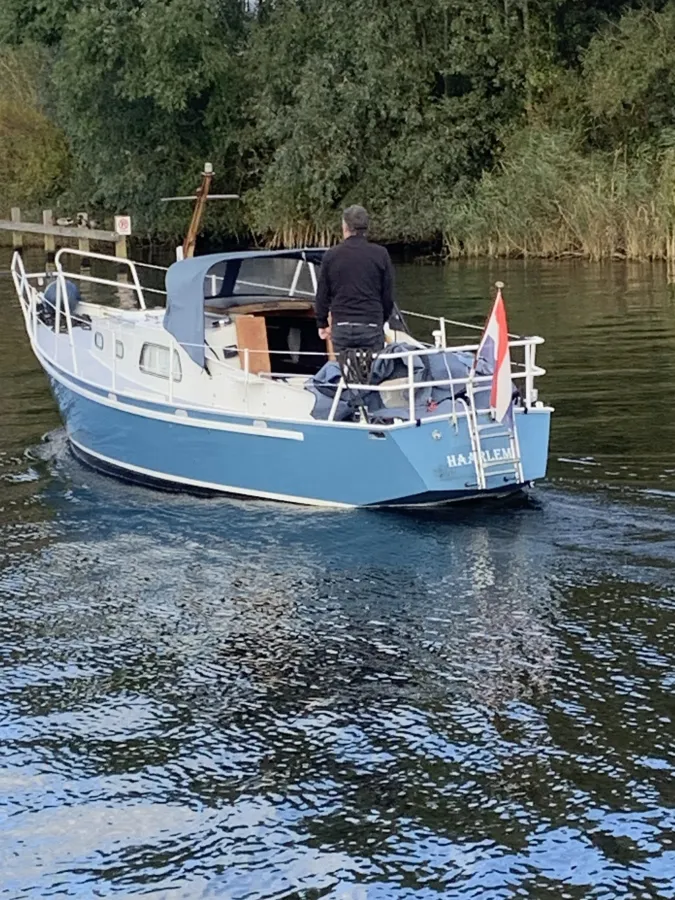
<point x="354" y="335"/>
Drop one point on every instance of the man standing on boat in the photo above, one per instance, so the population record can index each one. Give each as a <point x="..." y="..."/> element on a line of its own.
<point x="355" y="287"/>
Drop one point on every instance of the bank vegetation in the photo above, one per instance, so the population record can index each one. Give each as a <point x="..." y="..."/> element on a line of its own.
<point x="490" y="127"/>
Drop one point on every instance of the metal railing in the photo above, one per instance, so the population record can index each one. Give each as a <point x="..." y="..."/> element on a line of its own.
<point x="136" y="287"/>
<point x="524" y="372"/>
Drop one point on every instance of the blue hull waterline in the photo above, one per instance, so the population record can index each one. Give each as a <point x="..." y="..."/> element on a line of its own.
<point x="303" y="463"/>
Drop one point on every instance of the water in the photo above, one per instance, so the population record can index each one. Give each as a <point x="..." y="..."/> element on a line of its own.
<point x="217" y="698"/>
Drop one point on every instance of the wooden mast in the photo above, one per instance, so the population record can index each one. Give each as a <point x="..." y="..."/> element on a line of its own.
<point x="198" y="212"/>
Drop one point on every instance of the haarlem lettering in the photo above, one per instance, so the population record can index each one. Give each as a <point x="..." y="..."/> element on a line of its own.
<point x="459" y="459"/>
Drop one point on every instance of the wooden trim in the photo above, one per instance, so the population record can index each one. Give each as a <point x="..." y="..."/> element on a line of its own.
<point x="252" y="336"/>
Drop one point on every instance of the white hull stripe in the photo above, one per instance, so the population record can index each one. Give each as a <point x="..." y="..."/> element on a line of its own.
<point x="182" y="417"/>
<point x="208" y="485"/>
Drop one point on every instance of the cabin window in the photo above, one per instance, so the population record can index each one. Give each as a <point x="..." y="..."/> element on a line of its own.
<point x="98" y="340"/>
<point x="119" y="349"/>
<point x="155" y="360"/>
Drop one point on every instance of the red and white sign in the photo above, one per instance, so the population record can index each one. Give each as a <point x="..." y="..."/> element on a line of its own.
<point x="123" y="225"/>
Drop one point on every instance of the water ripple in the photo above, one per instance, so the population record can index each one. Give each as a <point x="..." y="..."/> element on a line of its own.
<point x="239" y="700"/>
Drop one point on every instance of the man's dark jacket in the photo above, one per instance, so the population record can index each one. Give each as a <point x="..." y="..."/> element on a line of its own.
<point x="356" y="284"/>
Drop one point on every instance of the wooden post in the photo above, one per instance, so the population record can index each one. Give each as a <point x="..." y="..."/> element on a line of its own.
<point x="50" y="242"/>
<point x="17" y="237"/>
<point x="83" y="247"/>
<point x="127" y="300"/>
<point x="83" y="242"/>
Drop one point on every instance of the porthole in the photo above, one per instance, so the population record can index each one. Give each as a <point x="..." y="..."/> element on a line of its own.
<point x="98" y="340"/>
<point x="119" y="349"/>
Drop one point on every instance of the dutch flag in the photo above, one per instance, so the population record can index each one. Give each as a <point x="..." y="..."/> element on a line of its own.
<point x="494" y="349"/>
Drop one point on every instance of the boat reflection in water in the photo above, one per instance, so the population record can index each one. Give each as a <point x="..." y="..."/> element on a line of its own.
<point x="312" y="608"/>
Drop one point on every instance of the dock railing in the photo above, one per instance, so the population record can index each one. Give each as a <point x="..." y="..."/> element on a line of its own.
<point x="50" y="231"/>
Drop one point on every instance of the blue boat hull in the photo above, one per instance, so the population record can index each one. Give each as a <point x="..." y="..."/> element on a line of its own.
<point x="314" y="463"/>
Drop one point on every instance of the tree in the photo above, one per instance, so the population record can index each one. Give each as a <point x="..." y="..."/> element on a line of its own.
<point x="34" y="152"/>
<point x="390" y="103"/>
<point x="146" y="91"/>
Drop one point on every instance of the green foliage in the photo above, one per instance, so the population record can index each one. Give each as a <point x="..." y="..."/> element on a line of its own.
<point x="33" y="151"/>
<point x="593" y="173"/>
<point x="146" y="93"/>
<point x="35" y="21"/>
<point x="507" y="126"/>
<point x="629" y="74"/>
<point x="401" y="106"/>
<point x="548" y="198"/>
<point x="392" y="104"/>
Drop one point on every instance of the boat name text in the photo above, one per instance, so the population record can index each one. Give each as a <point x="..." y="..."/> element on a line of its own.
<point x="459" y="459"/>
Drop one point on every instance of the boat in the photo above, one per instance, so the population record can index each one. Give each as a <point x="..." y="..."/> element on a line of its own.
<point x="219" y="382"/>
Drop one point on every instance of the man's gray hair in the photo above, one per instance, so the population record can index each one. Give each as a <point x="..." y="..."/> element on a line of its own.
<point x="356" y="219"/>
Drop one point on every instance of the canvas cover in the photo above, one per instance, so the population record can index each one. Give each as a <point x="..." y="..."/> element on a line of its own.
<point x="188" y="282"/>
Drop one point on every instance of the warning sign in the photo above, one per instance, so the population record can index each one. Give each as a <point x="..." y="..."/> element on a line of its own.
<point x="123" y="225"/>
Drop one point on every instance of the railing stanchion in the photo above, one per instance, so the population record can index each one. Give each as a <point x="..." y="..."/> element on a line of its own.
<point x="529" y="373"/>
<point x="114" y="361"/>
<point x="137" y="285"/>
<point x="411" y="390"/>
<point x="444" y="340"/>
<point x="65" y="302"/>
<point x="33" y="306"/>
<point x="336" y="399"/>
<point x="57" y="316"/>
<point x="171" y="355"/>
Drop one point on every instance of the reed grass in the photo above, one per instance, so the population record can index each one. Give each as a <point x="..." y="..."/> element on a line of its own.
<point x="548" y="199"/>
<point x="300" y="234"/>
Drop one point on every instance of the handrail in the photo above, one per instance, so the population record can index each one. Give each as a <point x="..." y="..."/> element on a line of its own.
<point x="143" y="265"/>
<point x="472" y="381"/>
<point x="200" y="408"/>
<point x="62" y="300"/>
<point x="443" y="321"/>
<point x="537" y="371"/>
<point x="21" y="286"/>
<point x="85" y="253"/>
<point x="403" y="354"/>
<point x="526" y="371"/>
<point x="91" y="279"/>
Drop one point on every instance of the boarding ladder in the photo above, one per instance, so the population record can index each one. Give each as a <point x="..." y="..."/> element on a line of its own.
<point x="481" y="432"/>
